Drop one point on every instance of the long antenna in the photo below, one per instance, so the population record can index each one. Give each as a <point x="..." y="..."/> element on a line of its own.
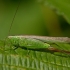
<point x="13" y="19"/>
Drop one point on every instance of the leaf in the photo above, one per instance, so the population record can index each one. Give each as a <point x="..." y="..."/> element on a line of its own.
<point x="21" y="59"/>
<point x="62" y="7"/>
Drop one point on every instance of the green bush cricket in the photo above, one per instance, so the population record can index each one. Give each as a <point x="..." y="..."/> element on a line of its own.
<point x="38" y="42"/>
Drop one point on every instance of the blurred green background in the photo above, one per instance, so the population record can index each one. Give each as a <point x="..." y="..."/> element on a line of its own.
<point x="32" y="18"/>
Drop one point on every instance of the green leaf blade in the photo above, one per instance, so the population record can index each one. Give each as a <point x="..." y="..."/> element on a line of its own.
<point x="35" y="60"/>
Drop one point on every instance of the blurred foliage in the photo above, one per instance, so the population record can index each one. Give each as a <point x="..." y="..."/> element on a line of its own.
<point x="32" y="18"/>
